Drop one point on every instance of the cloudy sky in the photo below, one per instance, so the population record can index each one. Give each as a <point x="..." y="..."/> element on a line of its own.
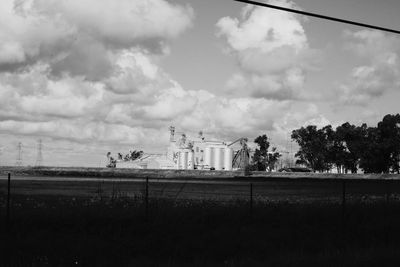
<point x="90" y="76"/>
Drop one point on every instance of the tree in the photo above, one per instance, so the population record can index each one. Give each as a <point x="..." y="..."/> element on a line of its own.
<point x="112" y="163"/>
<point x="135" y="154"/>
<point x="389" y="140"/>
<point x="372" y="149"/>
<point x="273" y="157"/>
<point x="132" y="155"/>
<point x="333" y="148"/>
<point x="351" y="138"/>
<point x="313" y="144"/>
<point x="381" y="146"/>
<point x="372" y="159"/>
<point x="260" y="158"/>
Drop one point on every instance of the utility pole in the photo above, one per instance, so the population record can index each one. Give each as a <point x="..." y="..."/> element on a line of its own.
<point x="8" y="202"/>
<point x="292" y="162"/>
<point x="19" y="155"/>
<point x="39" y="157"/>
<point x="251" y="200"/>
<point x="146" y="199"/>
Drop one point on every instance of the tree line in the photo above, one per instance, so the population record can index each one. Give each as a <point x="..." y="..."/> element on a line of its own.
<point x="350" y="148"/>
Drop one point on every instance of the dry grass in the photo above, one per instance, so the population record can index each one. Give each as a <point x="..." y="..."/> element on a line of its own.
<point x="113" y="231"/>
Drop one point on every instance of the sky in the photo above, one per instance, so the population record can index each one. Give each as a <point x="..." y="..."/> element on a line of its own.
<point x="88" y="76"/>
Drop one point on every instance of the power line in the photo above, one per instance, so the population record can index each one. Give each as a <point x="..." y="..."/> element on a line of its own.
<point x="319" y="16"/>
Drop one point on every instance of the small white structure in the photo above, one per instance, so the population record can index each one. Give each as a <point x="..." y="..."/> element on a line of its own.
<point x="147" y="161"/>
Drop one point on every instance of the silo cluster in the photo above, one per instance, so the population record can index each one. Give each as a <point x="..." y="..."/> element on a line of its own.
<point x="185" y="160"/>
<point x="218" y="157"/>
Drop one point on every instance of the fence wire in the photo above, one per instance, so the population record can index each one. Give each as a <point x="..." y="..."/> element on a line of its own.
<point x="272" y="190"/>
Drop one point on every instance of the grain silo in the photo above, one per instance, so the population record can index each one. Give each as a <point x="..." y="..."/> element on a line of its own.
<point x="228" y="157"/>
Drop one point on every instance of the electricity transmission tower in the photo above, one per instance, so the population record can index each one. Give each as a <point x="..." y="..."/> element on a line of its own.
<point x="39" y="157"/>
<point x="19" y="155"/>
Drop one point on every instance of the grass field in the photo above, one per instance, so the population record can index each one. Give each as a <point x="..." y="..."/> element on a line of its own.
<point x="291" y="222"/>
<point x="264" y="190"/>
<point x="65" y="231"/>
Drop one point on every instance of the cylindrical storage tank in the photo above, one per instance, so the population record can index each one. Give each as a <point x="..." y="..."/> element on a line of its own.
<point x="178" y="161"/>
<point x="207" y="156"/>
<point x="180" y="156"/>
<point x="212" y="158"/>
<point x="191" y="160"/>
<point x="184" y="160"/>
<point x="217" y="158"/>
<point x="228" y="157"/>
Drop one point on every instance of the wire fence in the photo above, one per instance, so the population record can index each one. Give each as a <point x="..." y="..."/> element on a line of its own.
<point x="346" y="194"/>
<point x="271" y="190"/>
<point x="129" y="206"/>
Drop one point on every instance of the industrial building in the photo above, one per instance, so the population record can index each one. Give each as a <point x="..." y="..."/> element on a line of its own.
<point x="199" y="153"/>
<point x="194" y="153"/>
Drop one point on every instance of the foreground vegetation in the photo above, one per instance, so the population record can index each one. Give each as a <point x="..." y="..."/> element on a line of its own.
<point x="117" y="231"/>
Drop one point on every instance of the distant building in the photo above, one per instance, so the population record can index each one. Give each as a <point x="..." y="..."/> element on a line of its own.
<point x="155" y="161"/>
<point x="184" y="153"/>
<point x="199" y="153"/>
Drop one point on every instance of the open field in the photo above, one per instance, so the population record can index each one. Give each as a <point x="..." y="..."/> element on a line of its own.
<point x="106" y="220"/>
<point x="117" y="231"/>
<point x="200" y="185"/>
<point x="177" y="174"/>
<point x="266" y="190"/>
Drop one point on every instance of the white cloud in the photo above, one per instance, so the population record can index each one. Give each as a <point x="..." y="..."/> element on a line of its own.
<point x="82" y="131"/>
<point x="134" y="71"/>
<point x="11" y="52"/>
<point x="75" y="109"/>
<point x="381" y="72"/>
<point x="263" y="29"/>
<point x="87" y="71"/>
<point x="286" y="85"/>
<point x="272" y="50"/>
<point x="80" y="71"/>
<point x="78" y="37"/>
<point x="122" y="22"/>
<point x="31" y="95"/>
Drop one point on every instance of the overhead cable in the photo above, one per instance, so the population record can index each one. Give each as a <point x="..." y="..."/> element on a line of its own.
<point x="319" y="16"/>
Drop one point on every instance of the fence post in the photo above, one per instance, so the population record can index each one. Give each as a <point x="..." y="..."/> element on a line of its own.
<point x="251" y="200"/>
<point x="343" y="198"/>
<point x="344" y="212"/>
<point x="147" y="200"/>
<point x="8" y="201"/>
<point x="387" y="184"/>
<point x="387" y="191"/>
